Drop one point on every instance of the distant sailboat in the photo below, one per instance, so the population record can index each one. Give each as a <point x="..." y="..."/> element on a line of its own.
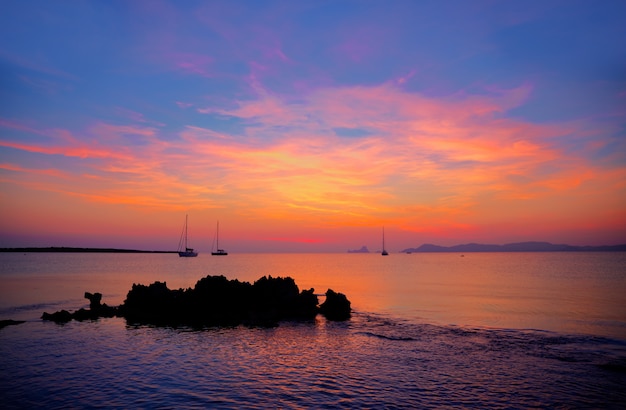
<point x="218" y="251"/>
<point x="384" y="252"/>
<point x="182" y="244"/>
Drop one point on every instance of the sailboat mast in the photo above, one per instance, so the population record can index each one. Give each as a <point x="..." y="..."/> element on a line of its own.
<point x="183" y="247"/>
<point x="384" y="252"/>
<point x="217" y="250"/>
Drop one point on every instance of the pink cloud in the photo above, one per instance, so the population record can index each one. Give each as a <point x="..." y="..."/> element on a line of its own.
<point x="293" y="239"/>
<point x="192" y="63"/>
<point x="61" y="142"/>
<point x="427" y="164"/>
<point x="405" y="78"/>
<point x="20" y="126"/>
<point x="456" y="150"/>
<point x="104" y="129"/>
<point x="41" y="172"/>
<point x="278" y="52"/>
<point x="135" y="116"/>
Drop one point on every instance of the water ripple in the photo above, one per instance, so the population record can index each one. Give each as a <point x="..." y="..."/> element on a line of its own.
<point x="370" y="362"/>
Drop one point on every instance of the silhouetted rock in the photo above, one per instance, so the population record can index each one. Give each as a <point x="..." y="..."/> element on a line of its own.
<point x="94" y="300"/>
<point x="96" y="310"/>
<point x="280" y="299"/>
<point x="214" y="301"/>
<point x="336" y="306"/>
<point x="9" y="322"/>
<point x="152" y="304"/>
<point x="61" y="316"/>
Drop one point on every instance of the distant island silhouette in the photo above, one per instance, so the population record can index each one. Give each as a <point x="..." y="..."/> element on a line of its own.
<point x="427" y="247"/>
<point x="362" y="250"/>
<point x="516" y="247"/>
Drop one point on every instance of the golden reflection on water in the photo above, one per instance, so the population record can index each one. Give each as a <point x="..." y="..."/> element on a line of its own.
<point x="571" y="292"/>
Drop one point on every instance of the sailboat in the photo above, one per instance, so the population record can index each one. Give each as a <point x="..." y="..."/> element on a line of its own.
<point x="218" y="251"/>
<point x="182" y="244"/>
<point x="384" y="252"/>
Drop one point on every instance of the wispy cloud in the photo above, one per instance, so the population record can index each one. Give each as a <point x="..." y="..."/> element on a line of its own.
<point x="321" y="115"/>
<point x="438" y="156"/>
<point x="65" y="144"/>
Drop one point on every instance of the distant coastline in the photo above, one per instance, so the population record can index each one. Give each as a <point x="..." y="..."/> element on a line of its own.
<point x="79" y="250"/>
<point x="362" y="250"/>
<point x="516" y="247"/>
<point x="425" y="248"/>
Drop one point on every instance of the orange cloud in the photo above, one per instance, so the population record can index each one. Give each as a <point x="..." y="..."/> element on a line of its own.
<point x="427" y="165"/>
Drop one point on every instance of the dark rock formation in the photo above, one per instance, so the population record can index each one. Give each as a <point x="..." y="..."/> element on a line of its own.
<point x="94" y="300"/>
<point x="336" y="306"/>
<point x="61" y="316"/>
<point x="96" y="310"/>
<point x="9" y="322"/>
<point x="215" y="301"/>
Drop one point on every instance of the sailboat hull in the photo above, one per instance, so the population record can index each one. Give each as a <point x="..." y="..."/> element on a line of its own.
<point x="219" y="253"/>
<point x="187" y="253"/>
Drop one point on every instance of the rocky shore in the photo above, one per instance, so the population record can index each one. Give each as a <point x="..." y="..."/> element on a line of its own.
<point x="9" y="322"/>
<point x="215" y="301"/>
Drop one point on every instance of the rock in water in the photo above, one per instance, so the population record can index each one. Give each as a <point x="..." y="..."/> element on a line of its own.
<point x="336" y="306"/>
<point x="215" y="301"/>
<point x="94" y="300"/>
<point x="9" y="322"/>
<point x="61" y="316"/>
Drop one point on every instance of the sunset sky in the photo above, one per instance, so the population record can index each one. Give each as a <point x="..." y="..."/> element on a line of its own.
<point x="309" y="125"/>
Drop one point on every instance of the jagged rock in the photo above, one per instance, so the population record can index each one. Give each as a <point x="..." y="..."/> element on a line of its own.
<point x="336" y="306"/>
<point x="152" y="304"/>
<point x="281" y="298"/>
<point x="214" y="301"/>
<point x="96" y="310"/>
<point x="94" y="300"/>
<point x="61" y="316"/>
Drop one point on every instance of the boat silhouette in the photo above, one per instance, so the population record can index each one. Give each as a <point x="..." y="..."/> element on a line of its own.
<point x="218" y="251"/>
<point x="183" y="249"/>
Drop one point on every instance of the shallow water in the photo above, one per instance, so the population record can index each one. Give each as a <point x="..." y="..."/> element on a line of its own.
<point x="428" y="331"/>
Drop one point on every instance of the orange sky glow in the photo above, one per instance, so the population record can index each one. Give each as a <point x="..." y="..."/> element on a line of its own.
<point x="318" y="168"/>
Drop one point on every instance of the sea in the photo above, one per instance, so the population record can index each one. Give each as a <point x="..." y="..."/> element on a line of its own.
<point x="428" y="330"/>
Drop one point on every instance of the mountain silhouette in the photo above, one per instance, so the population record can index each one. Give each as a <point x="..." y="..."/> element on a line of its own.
<point x="516" y="247"/>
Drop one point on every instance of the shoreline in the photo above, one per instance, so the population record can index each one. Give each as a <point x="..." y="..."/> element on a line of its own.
<point x="67" y="249"/>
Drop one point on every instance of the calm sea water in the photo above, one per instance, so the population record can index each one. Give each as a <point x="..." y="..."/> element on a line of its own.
<point x="495" y="330"/>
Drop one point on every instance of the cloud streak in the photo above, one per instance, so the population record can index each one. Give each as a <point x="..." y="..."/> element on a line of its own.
<point x="448" y="129"/>
<point x="437" y="158"/>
